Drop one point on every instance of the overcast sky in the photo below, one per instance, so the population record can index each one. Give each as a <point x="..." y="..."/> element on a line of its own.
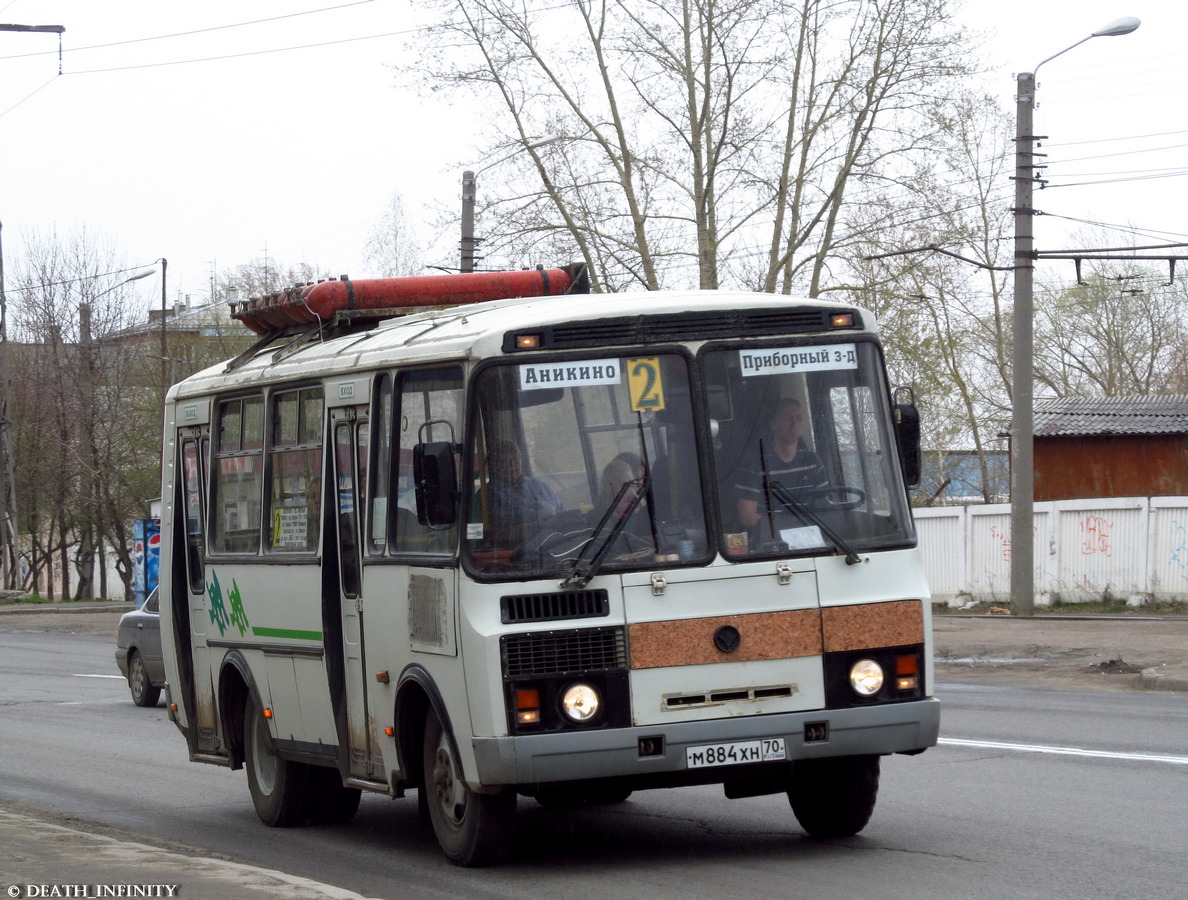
<point x="185" y="131"/>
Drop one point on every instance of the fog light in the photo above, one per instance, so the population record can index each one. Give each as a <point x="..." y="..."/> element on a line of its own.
<point x="866" y="677"/>
<point x="580" y="702"/>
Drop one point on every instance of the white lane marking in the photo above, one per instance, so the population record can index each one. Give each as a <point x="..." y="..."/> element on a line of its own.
<point x="1064" y="751"/>
<point x="83" y="675"/>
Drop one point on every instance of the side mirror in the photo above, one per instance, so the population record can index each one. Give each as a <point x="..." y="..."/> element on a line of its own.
<point x="435" y="483"/>
<point x="907" y="434"/>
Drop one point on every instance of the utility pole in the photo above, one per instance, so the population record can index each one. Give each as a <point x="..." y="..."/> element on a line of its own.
<point x="164" y="338"/>
<point x="468" y="243"/>
<point x="1022" y="362"/>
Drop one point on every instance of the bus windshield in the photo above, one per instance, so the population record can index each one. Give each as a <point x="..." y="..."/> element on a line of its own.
<point x="804" y="458"/>
<point x="594" y="464"/>
<point x="589" y="462"/>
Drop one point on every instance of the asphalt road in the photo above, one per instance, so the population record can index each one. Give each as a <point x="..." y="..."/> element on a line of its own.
<point x="1032" y="793"/>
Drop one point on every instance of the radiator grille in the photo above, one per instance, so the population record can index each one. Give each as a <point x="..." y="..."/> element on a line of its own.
<point x="563" y="652"/>
<point x="550" y="607"/>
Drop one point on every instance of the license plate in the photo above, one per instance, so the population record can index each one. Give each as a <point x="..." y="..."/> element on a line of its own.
<point x="735" y="753"/>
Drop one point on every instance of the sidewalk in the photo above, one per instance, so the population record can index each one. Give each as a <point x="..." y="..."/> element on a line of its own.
<point x="40" y="857"/>
<point x="1119" y="652"/>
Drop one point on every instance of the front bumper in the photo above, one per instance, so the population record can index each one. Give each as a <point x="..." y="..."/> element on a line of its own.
<point x="615" y="753"/>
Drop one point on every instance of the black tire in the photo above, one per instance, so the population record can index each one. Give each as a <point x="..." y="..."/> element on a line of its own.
<point x="834" y="797"/>
<point x="278" y="786"/>
<point x="330" y="801"/>
<point x="143" y="692"/>
<point x="472" y="829"/>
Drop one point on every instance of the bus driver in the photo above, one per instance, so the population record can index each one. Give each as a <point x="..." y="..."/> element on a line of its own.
<point x="788" y="461"/>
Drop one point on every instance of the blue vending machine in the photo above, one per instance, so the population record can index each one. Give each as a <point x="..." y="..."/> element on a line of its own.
<point x="146" y="541"/>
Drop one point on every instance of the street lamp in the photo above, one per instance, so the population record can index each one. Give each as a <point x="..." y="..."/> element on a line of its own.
<point x="1023" y="425"/>
<point x="469" y="242"/>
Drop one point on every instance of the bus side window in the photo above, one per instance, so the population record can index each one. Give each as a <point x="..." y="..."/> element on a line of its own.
<point x="432" y="399"/>
<point x="238" y="471"/>
<point x="295" y="458"/>
<point x="192" y="470"/>
<point x="381" y="465"/>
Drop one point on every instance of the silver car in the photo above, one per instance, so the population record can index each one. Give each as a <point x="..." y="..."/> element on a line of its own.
<point x="138" y="652"/>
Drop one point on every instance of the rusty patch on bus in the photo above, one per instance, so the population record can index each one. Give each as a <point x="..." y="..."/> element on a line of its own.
<point x="690" y="642"/>
<point x="872" y="625"/>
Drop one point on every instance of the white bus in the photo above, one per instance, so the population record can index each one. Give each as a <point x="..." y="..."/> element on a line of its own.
<point x="559" y="545"/>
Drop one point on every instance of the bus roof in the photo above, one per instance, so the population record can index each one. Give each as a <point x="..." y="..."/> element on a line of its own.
<point x="482" y="330"/>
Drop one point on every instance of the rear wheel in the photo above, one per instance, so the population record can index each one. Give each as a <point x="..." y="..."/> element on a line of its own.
<point x="278" y="786"/>
<point x="473" y="829"/>
<point x="834" y="797"/>
<point x="143" y="692"/>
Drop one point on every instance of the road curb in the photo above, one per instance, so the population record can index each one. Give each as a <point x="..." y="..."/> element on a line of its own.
<point x="1154" y="680"/>
<point x="31" y="609"/>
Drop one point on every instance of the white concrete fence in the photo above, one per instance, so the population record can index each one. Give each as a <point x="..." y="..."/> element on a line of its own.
<point x="1130" y="547"/>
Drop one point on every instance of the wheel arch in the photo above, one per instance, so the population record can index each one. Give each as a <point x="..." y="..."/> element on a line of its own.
<point x="236" y="686"/>
<point x="416" y="694"/>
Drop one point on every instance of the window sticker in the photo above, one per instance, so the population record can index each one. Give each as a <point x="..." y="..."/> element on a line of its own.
<point x="780" y="361"/>
<point x="646" y="384"/>
<point x="535" y="376"/>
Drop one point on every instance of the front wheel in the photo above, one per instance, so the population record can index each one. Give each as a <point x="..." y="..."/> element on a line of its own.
<point x="143" y="692"/>
<point x="278" y="786"/>
<point x="834" y="797"/>
<point x="473" y="829"/>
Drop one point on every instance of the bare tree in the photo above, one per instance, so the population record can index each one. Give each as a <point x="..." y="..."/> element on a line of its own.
<point x="709" y="142"/>
<point x="393" y="248"/>
<point x="1121" y="332"/>
<point x="86" y="441"/>
<point x="942" y="304"/>
<point x="262" y="277"/>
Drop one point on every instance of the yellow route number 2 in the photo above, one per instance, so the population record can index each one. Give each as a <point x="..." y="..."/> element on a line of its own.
<point x="646" y="385"/>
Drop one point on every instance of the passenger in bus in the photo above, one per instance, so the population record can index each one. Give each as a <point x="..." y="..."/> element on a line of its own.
<point x="620" y="470"/>
<point x="568" y="534"/>
<point x="517" y="499"/>
<point x="788" y="462"/>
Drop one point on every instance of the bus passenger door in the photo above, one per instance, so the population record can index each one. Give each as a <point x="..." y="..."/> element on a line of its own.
<point x="351" y="433"/>
<point x="194" y="443"/>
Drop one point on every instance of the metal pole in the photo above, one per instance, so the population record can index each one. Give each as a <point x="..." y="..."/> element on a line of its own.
<point x="1023" y="424"/>
<point x="164" y="338"/>
<point x="469" y="187"/>
<point x="1022" y="363"/>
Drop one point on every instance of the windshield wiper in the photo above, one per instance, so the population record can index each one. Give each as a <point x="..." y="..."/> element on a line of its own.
<point x="792" y="504"/>
<point x="593" y="552"/>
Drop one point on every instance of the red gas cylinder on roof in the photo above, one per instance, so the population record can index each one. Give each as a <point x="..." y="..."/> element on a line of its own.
<point x="383" y="297"/>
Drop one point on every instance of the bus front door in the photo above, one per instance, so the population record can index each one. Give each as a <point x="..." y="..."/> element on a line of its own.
<point x="351" y="439"/>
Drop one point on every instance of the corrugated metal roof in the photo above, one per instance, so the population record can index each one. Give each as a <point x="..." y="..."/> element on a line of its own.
<point x="1166" y="414"/>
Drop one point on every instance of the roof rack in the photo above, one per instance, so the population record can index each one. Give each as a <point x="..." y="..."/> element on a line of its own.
<point x="381" y="298"/>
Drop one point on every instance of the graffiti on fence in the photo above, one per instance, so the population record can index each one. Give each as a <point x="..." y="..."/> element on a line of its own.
<point x="1097" y="536"/>
<point x="1004" y="540"/>
<point x="1179" y="543"/>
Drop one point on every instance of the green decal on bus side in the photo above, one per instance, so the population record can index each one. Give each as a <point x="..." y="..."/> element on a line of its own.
<point x="238" y="616"/>
<point x="218" y="609"/>
<point x="288" y="633"/>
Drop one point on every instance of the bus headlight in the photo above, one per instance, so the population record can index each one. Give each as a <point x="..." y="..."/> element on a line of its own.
<point x="866" y="677"/>
<point x="580" y="702"/>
